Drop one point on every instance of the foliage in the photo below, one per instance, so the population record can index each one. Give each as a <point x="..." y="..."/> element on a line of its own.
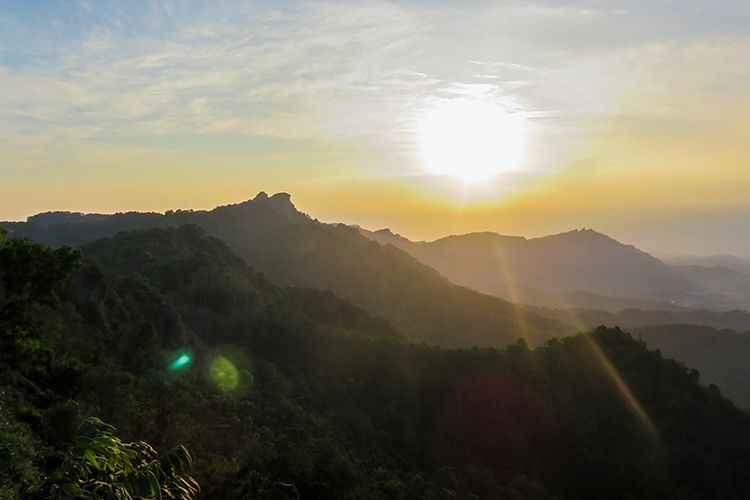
<point x="18" y="451"/>
<point x="332" y="405"/>
<point x="101" y="465"/>
<point x="719" y="355"/>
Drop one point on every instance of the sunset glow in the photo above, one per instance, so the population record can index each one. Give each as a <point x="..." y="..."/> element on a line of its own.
<point x="428" y="118"/>
<point x="470" y="140"/>
<point x="377" y="249"/>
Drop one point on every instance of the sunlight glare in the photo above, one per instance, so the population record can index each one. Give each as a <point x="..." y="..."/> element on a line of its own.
<point x="470" y="139"/>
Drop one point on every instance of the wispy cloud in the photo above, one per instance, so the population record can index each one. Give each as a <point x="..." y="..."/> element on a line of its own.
<point x="95" y="74"/>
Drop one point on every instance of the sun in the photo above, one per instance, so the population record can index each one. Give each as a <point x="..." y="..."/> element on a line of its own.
<point x="470" y="140"/>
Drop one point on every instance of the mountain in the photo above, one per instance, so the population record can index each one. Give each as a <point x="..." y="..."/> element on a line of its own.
<point x="548" y="270"/>
<point x="720" y="355"/>
<point x="581" y="268"/>
<point x="736" y="320"/>
<point x="727" y="283"/>
<point x="728" y="261"/>
<point x="292" y="249"/>
<point x="174" y="339"/>
<point x="190" y="267"/>
<point x="717" y="277"/>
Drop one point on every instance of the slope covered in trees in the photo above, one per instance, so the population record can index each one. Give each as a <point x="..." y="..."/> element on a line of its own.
<point x="711" y="342"/>
<point x="720" y="355"/>
<point x="737" y="320"/>
<point x="172" y="338"/>
<point x="292" y="249"/>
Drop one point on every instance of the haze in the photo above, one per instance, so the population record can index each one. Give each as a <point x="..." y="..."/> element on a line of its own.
<point x="630" y="120"/>
<point x="383" y="250"/>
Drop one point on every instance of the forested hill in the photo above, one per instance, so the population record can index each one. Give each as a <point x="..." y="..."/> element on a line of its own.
<point x="174" y="340"/>
<point x="566" y="263"/>
<point x="715" y="343"/>
<point x="188" y="266"/>
<point x="720" y="355"/>
<point x="293" y="249"/>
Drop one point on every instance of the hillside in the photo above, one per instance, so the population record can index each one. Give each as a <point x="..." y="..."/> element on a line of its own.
<point x="720" y="355"/>
<point x="189" y="267"/>
<point x="291" y="248"/>
<point x="727" y="261"/>
<point x="574" y="269"/>
<point x="278" y="405"/>
<point x="727" y="283"/>
<point x="634" y="318"/>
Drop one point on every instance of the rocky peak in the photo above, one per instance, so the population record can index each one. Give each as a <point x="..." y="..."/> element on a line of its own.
<point x="281" y="203"/>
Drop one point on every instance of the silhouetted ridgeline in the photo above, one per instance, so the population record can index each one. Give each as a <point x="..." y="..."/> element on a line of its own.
<point x="279" y="393"/>
<point x="580" y="269"/>
<point x="292" y="249"/>
<point x="633" y="318"/>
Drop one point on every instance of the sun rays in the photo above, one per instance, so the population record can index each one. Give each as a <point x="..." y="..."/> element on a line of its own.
<point x="470" y="139"/>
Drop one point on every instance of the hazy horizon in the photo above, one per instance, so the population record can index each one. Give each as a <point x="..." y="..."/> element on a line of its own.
<point x="210" y="343"/>
<point x="428" y="118"/>
<point x="656" y="252"/>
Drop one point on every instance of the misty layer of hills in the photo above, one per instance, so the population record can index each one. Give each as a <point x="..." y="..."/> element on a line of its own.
<point x="726" y="261"/>
<point x="568" y="282"/>
<point x="585" y="278"/>
<point x="582" y="268"/>
<point x="293" y="249"/>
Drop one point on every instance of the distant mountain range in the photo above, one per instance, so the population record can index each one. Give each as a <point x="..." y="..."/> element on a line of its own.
<point x="454" y="292"/>
<point x="581" y="269"/>
<point x="294" y="249"/>
<point x="727" y="261"/>
<point x="288" y="393"/>
<point x="634" y="318"/>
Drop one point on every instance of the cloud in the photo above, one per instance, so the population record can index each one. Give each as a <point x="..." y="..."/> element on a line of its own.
<point x="360" y="72"/>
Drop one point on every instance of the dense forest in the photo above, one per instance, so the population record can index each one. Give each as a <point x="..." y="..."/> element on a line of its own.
<point x="293" y="249"/>
<point x="715" y="343"/>
<point x="158" y="360"/>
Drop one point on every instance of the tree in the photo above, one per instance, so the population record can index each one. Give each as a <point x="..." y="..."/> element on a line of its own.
<point x="101" y="465"/>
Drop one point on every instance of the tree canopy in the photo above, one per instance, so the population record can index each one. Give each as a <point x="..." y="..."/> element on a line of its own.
<point x="294" y="393"/>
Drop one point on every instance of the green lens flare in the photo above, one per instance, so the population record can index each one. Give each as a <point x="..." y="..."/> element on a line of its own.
<point x="224" y="374"/>
<point x="180" y="362"/>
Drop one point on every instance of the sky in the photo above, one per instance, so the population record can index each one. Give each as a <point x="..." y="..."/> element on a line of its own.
<point x="632" y="118"/>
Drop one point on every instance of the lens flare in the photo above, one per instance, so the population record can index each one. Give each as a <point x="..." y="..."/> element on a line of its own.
<point x="181" y="361"/>
<point x="628" y="397"/>
<point x="627" y="394"/>
<point x="224" y="374"/>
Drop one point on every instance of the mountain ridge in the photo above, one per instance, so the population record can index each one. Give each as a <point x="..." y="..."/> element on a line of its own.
<point x="293" y="249"/>
<point x="560" y="270"/>
<point x="275" y="404"/>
